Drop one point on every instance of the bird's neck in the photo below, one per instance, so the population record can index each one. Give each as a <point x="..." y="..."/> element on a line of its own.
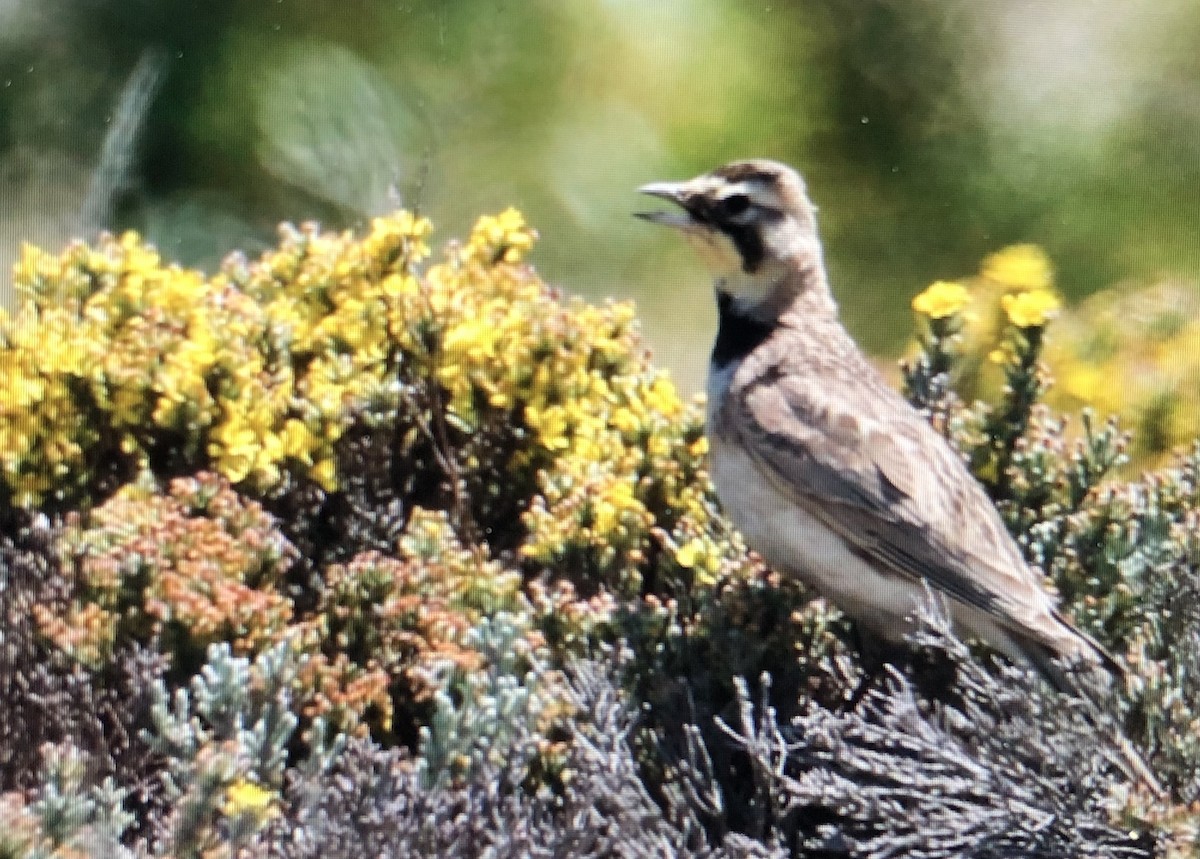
<point x="780" y="289"/>
<point x="788" y="294"/>
<point x="804" y="293"/>
<point x="738" y="332"/>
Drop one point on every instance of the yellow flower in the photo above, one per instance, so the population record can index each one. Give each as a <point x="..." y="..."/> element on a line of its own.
<point x="625" y="421"/>
<point x="474" y="338"/>
<point x="662" y="396"/>
<point x="400" y="285"/>
<point x="551" y="426"/>
<point x="941" y="299"/>
<point x="298" y="440"/>
<point x="1030" y="309"/>
<point x="614" y="502"/>
<point x="1020" y="267"/>
<point x="245" y="798"/>
<point x="689" y="553"/>
<point x="500" y="237"/>
<point x="658" y="445"/>
<point x="325" y="473"/>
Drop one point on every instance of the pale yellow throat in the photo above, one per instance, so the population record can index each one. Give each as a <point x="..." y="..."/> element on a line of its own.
<point x="720" y="256"/>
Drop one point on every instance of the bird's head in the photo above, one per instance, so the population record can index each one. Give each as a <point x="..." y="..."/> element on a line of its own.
<point x="751" y="222"/>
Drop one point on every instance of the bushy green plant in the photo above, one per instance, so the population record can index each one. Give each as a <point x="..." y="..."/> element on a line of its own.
<point x="346" y="490"/>
<point x="1128" y="351"/>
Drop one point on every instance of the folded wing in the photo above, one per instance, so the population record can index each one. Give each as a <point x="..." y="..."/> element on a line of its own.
<point x="877" y="474"/>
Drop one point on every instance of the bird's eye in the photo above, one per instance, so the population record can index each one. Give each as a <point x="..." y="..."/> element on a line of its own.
<point x="735" y="204"/>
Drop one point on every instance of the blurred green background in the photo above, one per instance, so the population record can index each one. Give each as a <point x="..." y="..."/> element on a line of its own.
<point x="931" y="132"/>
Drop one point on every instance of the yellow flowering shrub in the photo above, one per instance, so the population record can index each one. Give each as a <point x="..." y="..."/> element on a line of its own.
<point x="1128" y="351"/>
<point x="115" y="359"/>
<point x="1014" y="288"/>
<point x="357" y="448"/>
<point x="117" y="362"/>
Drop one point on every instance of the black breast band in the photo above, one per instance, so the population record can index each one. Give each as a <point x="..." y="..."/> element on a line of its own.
<point x="737" y="334"/>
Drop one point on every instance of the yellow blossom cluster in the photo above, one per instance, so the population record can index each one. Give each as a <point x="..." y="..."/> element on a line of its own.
<point x="1017" y="280"/>
<point x="577" y="377"/>
<point x="942" y="298"/>
<point x="1031" y="309"/>
<point x="625" y="444"/>
<point x="701" y="546"/>
<point x="1021" y="280"/>
<point x="515" y="415"/>
<point x="246" y="799"/>
<point x="114" y="354"/>
<point x="1012" y="292"/>
<point x="1022" y="268"/>
<point x="1128" y="351"/>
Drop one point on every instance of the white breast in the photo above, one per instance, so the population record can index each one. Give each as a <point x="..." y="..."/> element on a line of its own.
<point x="794" y="542"/>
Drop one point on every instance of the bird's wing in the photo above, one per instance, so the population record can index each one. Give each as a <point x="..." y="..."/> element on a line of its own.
<point x="873" y="470"/>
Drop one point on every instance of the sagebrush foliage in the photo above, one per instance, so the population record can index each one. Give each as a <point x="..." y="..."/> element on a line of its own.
<point x="349" y="551"/>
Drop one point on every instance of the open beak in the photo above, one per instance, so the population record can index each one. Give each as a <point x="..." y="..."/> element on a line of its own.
<point x="673" y="191"/>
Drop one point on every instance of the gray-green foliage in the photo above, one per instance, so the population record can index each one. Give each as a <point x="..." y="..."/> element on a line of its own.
<point x="233" y="702"/>
<point x="76" y="813"/>
<point x="231" y="724"/>
<point x="477" y="716"/>
<point x="1122" y="552"/>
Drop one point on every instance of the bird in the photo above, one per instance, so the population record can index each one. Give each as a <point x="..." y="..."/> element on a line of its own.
<point x="828" y="472"/>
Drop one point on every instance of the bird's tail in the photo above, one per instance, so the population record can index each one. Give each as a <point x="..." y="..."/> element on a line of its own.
<point x="1059" y="661"/>
<point x="1067" y="666"/>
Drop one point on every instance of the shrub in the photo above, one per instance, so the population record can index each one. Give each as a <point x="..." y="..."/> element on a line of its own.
<point x="1127" y="351"/>
<point x="351" y="550"/>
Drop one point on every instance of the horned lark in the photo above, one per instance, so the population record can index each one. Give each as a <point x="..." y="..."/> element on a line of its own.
<point x="829" y="473"/>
